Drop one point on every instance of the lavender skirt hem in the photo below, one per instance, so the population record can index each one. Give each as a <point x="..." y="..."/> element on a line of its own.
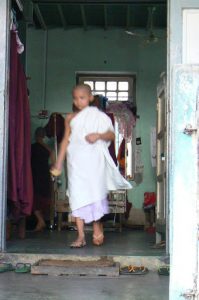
<point x="92" y="212"/>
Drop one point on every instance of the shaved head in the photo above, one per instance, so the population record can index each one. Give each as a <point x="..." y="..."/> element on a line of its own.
<point x="82" y="86"/>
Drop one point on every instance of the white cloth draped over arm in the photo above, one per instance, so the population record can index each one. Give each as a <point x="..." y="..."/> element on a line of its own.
<point x="91" y="169"/>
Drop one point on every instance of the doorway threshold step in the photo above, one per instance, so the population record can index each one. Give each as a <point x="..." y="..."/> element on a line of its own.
<point x="89" y="268"/>
<point x="151" y="262"/>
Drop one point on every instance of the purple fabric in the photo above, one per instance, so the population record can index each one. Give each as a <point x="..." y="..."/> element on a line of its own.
<point x="20" y="188"/>
<point x="92" y="212"/>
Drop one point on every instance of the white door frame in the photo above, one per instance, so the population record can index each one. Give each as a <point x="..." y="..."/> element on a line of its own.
<point x="182" y="159"/>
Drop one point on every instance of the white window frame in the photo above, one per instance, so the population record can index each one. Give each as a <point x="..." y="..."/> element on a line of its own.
<point x="81" y="77"/>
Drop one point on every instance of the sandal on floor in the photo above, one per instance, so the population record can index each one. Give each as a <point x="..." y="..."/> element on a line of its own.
<point x="23" y="268"/>
<point x="164" y="270"/>
<point x="6" y="267"/>
<point x="78" y="245"/>
<point x="98" y="240"/>
<point x="161" y="245"/>
<point x="133" y="270"/>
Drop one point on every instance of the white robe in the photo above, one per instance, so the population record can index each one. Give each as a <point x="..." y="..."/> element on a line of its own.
<point x="91" y="169"/>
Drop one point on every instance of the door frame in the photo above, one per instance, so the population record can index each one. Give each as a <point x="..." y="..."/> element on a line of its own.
<point x="183" y="244"/>
<point x="4" y="94"/>
<point x="174" y="56"/>
<point x="4" y="50"/>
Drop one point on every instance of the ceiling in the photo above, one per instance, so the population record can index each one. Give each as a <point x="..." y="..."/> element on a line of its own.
<point x="65" y="14"/>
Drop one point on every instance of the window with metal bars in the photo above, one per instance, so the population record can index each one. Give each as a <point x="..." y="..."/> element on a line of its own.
<point x="114" y="87"/>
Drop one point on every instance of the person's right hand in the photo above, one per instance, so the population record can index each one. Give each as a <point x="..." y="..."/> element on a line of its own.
<point x="55" y="171"/>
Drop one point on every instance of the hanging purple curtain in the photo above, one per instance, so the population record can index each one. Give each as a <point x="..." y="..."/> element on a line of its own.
<point x="20" y="187"/>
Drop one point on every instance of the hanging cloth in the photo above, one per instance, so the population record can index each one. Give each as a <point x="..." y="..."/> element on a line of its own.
<point x="122" y="157"/>
<point x="124" y="116"/>
<point x="112" y="145"/>
<point x="55" y="123"/>
<point x="20" y="186"/>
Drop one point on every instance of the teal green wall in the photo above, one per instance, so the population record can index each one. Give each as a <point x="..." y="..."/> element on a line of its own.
<point x="77" y="50"/>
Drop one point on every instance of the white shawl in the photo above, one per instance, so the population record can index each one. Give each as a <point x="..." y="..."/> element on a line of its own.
<point x="91" y="169"/>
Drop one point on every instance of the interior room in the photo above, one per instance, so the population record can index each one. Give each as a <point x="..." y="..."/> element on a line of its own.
<point x="119" y="49"/>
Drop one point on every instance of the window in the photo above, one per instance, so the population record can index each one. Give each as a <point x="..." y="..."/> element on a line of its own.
<point x="114" y="87"/>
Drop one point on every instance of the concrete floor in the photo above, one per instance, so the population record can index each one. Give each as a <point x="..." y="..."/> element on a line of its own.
<point x="29" y="287"/>
<point x="127" y="243"/>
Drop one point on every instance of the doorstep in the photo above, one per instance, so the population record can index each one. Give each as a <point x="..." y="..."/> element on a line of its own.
<point x="150" y="262"/>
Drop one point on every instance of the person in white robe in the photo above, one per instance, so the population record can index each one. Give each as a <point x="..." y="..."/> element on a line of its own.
<point x="92" y="172"/>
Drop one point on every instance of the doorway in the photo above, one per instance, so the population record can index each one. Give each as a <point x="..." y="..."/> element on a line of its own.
<point x="111" y="39"/>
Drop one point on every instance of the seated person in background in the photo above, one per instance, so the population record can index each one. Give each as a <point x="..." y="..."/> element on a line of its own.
<point x="40" y="156"/>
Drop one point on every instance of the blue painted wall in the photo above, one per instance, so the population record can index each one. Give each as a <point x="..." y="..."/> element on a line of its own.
<point x="77" y="50"/>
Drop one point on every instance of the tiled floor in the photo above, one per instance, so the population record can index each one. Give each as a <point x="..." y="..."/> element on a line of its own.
<point x="127" y="243"/>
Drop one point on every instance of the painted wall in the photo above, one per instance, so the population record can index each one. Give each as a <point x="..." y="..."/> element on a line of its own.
<point x="96" y="50"/>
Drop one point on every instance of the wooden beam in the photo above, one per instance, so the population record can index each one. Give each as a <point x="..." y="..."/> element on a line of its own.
<point x="139" y="2"/>
<point x="128" y="17"/>
<point x="83" y="17"/>
<point x="62" y="17"/>
<point x="19" y="4"/>
<point x="40" y="17"/>
<point x="105" y="18"/>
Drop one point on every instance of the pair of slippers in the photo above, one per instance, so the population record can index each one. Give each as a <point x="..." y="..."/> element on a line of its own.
<point x="134" y="270"/>
<point x="19" y="268"/>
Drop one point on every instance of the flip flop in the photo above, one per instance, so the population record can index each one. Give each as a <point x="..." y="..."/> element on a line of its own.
<point x="6" y="267"/>
<point x="133" y="270"/>
<point x="164" y="270"/>
<point x="78" y="245"/>
<point x="160" y="245"/>
<point x="23" y="268"/>
<point x="98" y="240"/>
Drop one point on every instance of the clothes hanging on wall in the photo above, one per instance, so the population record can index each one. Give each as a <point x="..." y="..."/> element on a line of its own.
<point x="112" y="145"/>
<point x="121" y="157"/>
<point x="55" y="126"/>
<point x="125" y="118"/>
<point x="153" y="146"/>
<point x="20" y="187"/>
<point x="13" y="27"/>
